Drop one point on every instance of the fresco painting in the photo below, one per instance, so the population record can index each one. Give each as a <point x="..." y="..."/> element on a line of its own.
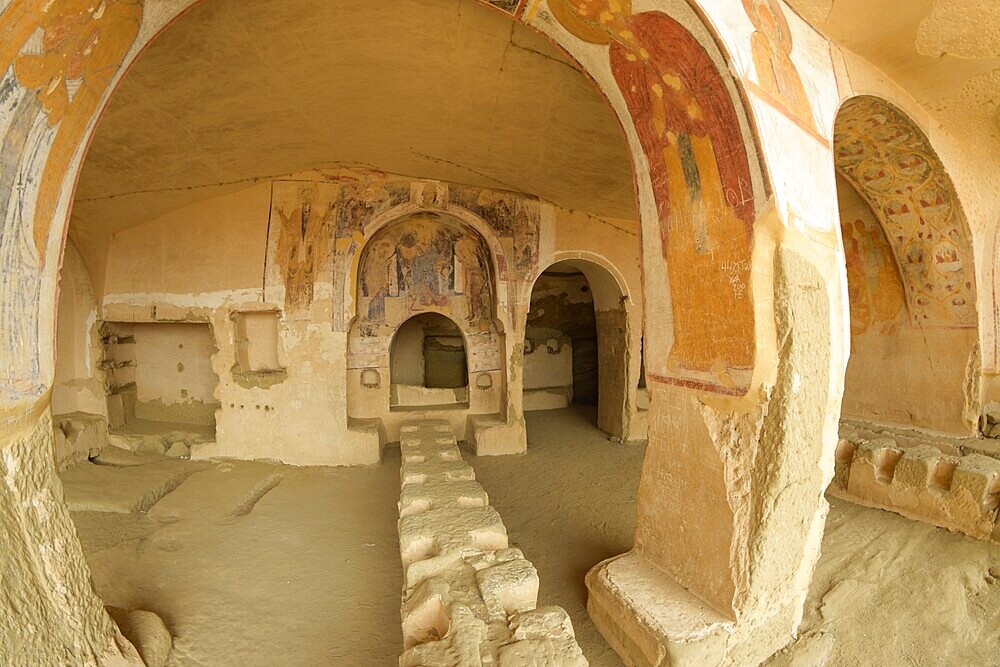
<point x="514" y="217"/>
<point x="776" y="74"/>
<point x="690" y="132"/>
<point x="66" y="54"/>
<point x="303" y="239"/>
<point x="424" y="263"/>
<point x="875" y="288"/>
<point x="892" y="166"/>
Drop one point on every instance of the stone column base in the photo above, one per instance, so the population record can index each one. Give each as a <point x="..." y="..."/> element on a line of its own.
<point x="650" y="619"/>
<point x="488" y="435"/>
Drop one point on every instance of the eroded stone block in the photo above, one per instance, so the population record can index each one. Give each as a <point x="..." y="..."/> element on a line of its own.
<point x="508" y="588"/>
<point x="437" y="494"/>
<point x="461" y="646"/>
<point x="435" y="471"/>
<point x="437" y="539"/>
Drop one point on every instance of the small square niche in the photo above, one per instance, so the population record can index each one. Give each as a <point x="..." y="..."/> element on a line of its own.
<point x="257" y="348"/>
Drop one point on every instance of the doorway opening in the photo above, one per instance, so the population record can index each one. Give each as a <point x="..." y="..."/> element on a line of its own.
<point x="575" y="348"/>
<point x="429" y="367"/>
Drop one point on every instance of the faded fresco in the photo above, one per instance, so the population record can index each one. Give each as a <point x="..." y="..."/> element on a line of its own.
<point x="514" y="217"/>
<point x="777" y="76"/>
<point x="360" y="202"/>
<point x="65" y="53"/>
<point x="690" y="133"/>
<point x="875" y="289"/>
<point x="318" y="227"/>
<point x="424" y="263"/>
<point x="892" y="166"/>
<point x="303" y="238"/>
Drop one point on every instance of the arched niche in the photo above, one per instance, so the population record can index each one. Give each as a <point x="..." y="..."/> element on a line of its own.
<point x="421" y="265"/>
<point x="910" y="274"/>
<point x="428" y="363"/>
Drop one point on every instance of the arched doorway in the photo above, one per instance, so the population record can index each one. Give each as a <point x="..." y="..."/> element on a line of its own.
<point x="428" y="364"/>
<point x="576" y="348"/>
<point x="425" y="323"/>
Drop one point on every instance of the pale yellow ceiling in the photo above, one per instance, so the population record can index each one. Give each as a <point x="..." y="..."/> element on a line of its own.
<point x="445" y="89"/>
<point x="946" y="53"/>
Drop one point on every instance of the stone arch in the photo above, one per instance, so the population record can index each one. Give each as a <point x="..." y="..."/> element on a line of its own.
<point x="498" y="258"/>
<point x="910" y="270"/>
<point x="48" y="142"/>
<point x="892" y="165"/>
<point x="419" y="367"/>
<point x="420" y="263"/>
<point x="617" y="336"/>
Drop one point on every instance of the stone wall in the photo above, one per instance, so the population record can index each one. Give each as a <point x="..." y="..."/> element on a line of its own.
<point x="294" y="249"/>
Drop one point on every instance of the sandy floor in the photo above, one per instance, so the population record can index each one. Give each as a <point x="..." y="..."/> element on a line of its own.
<point x="245" y="573"/>
<point x="569" y="503"/>
<point x="253" y="564"/>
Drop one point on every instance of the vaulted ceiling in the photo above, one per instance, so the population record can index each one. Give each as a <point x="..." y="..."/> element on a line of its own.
<point x="945" y="53"/>
<point x="446" y="89"/>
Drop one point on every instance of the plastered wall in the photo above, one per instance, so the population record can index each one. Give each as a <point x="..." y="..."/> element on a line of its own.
<point x="297" y="248"/>
<point x="174" y="378"/>
<point x="78" y="386"/>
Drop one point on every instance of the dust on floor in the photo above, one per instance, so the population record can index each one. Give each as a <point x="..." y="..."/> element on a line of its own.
<point x="255" y="564"/>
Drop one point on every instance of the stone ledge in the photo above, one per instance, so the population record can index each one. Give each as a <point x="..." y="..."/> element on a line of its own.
<point x="958" y="492"/>
<point x="650" y="619"/>
<point x="489" y="435"/>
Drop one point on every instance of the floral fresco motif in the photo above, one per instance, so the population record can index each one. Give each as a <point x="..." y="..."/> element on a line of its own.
<point x="690" y="133"/>
<point x="892" y="166"/>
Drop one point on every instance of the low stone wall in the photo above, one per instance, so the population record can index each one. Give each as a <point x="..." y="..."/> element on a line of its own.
<point x="468" y="597"/>
<point x="959" y="491"/>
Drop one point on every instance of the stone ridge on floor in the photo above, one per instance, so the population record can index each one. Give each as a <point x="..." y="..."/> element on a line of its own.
<point x="469" y="599"/>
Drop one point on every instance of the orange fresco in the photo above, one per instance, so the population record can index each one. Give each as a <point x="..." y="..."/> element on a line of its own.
<point x="690" y="133"/>
<point x="82" y="47"/>
<point x="875" y="288"/>
<point x="302" y="247"/>
<point x="771" y="44"/>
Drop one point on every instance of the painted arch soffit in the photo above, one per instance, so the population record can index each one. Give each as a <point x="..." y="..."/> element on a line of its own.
<point x="891" y="164"/>
<point x="700" y="167"/>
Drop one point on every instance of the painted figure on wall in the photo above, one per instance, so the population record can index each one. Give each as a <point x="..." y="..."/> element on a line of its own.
<point x="893" y="167"/>
<point x="771" y="44"/>
<point x="63" y="55"/>
<point x="875" y="289"/>
<point x="424" y="263"/>
<point x="302" y="248"/>
<point x="361" y="202"/>
<point x="511" y="216"/>
<point x="687" y="124"/>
